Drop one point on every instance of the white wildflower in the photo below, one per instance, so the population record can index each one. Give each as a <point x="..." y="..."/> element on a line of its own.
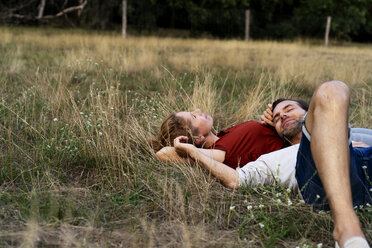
<point x="232" y="207"/>
<point x="249" y="207"/>
<point x="55" y="119"/>
<point x="261" y="225"/>
<point x="289" y="202"/>
<point x="261" y="206"/>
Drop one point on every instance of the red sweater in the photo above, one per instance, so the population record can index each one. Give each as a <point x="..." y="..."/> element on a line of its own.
<point x="246" y="142"/>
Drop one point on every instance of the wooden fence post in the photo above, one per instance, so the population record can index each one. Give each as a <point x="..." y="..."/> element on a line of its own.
<point x="327" y="31"/>
<point x="247" y="14"/>
<point x="124" y="28"/>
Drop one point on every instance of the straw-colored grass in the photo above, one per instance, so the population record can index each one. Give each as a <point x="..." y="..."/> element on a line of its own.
<point x="77" y="109"/>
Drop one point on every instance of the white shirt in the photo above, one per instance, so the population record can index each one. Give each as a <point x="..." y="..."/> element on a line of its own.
<point x="278" y="166"/>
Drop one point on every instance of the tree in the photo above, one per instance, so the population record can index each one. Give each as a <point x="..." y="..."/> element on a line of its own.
<point x="28" y="11"/>
<point x="124" y="28"/>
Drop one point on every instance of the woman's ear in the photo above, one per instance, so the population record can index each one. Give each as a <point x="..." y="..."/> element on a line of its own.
<point x="199" y="140"/>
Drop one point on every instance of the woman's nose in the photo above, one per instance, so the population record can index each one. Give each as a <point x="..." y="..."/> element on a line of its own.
<point x="197" y="111"/>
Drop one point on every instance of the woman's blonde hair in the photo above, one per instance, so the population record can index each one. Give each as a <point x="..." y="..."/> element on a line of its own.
<point x="172" y="127"/>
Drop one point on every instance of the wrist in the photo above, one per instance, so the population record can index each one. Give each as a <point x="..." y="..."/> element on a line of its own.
<point x="192" y="152"/>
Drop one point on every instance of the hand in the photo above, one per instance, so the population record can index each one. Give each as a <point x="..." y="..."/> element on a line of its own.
<point x="183" y="148"/>
<point x="267" y="116"/>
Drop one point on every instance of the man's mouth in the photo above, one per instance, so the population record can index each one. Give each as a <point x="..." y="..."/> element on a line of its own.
<point x="286" y="122"/>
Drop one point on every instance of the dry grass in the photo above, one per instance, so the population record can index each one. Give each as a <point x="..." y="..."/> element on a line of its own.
<point x="77" y="108"/>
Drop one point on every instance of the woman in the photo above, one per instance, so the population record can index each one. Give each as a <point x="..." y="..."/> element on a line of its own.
<point x="235" y="146"/>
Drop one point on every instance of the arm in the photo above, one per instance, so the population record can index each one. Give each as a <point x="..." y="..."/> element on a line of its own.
<point x="228" y="176"/>
<point x="169" y="154"/>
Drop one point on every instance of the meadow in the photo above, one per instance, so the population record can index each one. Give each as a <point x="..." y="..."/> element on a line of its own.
<point x="77" y="109"/>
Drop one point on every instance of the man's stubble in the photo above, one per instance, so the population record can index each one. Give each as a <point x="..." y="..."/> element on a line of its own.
<point x="292" y="130"/>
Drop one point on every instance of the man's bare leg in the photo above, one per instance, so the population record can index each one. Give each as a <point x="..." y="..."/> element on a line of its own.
<point x="327" y="123"/>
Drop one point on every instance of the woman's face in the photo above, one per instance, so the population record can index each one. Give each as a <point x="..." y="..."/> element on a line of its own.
<point x="199" y="121"/>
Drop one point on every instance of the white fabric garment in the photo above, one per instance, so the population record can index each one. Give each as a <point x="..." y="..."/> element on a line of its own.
<point x="274" y="167"/>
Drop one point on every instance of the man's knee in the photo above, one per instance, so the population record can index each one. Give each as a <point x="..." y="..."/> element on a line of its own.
<point x="333" y="94"/>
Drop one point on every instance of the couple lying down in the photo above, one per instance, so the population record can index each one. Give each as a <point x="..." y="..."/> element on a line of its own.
<point x="235" y="146"/>
<point x="311" y="150"/>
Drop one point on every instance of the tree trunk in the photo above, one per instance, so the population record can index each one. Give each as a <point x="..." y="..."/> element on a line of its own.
<point x="41" y="9"/>
<point x="124" y="28"/>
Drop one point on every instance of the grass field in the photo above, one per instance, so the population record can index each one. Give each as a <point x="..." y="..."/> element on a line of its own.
<point x="76" y="110"/>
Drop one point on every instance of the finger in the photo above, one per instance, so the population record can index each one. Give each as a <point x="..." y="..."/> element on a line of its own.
<point x="268" y="116"/>
<point x="180" y="139"/>
<point x="268" y="122"/>
<point x="268" y="110"/>
<point x="270" y="106"/>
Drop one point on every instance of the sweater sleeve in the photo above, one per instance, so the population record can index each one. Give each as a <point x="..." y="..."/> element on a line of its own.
<point x="255" y="174"/>
<point x="275" y="167"/>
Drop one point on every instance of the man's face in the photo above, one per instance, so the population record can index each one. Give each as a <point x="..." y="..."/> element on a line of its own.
<point x="287" y="118"/>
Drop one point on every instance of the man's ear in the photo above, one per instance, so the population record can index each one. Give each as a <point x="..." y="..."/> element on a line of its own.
<point x="199" y="140"/>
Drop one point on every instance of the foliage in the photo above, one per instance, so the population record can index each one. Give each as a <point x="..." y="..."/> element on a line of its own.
<point x="279" y="19"/>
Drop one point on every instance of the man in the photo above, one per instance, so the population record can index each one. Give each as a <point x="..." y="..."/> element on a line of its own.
<point x="328" y="170"/>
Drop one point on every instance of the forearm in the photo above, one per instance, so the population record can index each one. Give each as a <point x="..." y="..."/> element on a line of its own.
<point x="227" y="175"/>
<point x="169" y="154"/>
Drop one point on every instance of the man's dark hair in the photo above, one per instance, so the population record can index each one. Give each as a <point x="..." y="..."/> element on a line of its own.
<point x="304" y="105"/>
